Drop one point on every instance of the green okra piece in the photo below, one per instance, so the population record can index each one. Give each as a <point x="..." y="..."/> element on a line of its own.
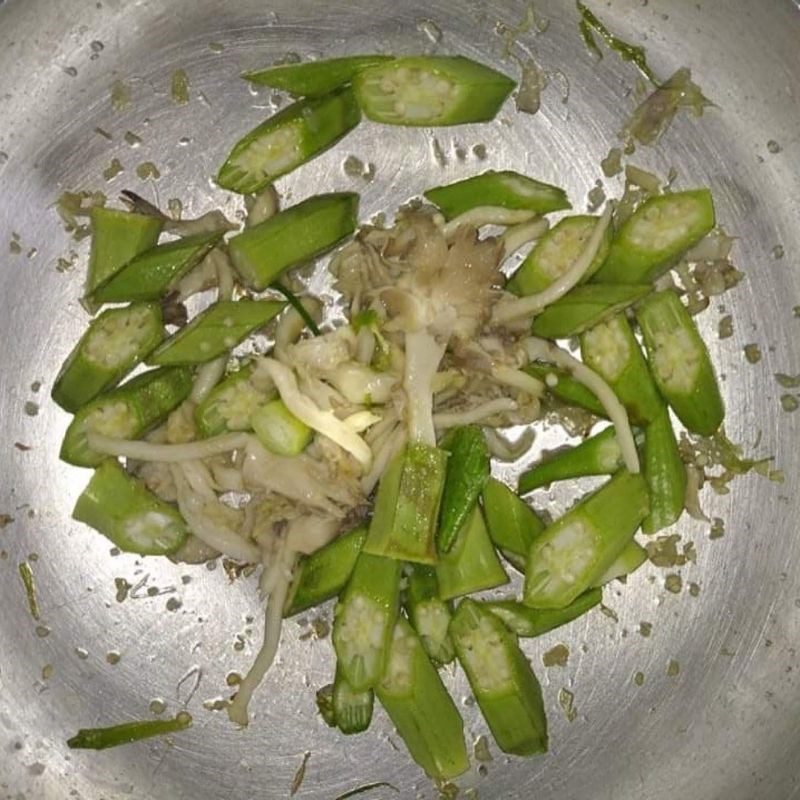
<point x="468" y="470"/>
<point x="611" y="350"/>
<point x="126" y="412"/>
<point x="472" y="564"/>
<point x="629" y="560"/>
<point x="153" y="273"/>
<point x="420" y="707"/>
<point x="598" y="455"/>
<point x="352" y="710"/>
<point x="124" y="510"/>
<point x="429" y="614"/>
<point x="323" y="574"/>
<point x="314" y="78"/>
<point x="215" y="331"/>
<point x="231" y="404"/>
<point x="511" y="522"/>
<point x="117" y="237"/>
<point x="431" y="90"/>
<point x="103" y="738"/>
<point x="576" y="550"/>
<point x="586" y="306"/>
<point x="680" y="363"/>
<point x="555" y="253"/>
<point x="288" y="139"/>
<point x="324" y="700"/>
<point x="279" y="430"/>
<point x="501" y="678"/>
<point x="262" y="253"/>
<point x="407" y="505"/>
<point x="364" y="619"/>
<point x="114" y="344"/>
<point x="655" y="237"/>
<point x="566" y="388"/>
<point x="528" y="622"/>
<point x="665" y="474"/>
<point x="504" y="189"/>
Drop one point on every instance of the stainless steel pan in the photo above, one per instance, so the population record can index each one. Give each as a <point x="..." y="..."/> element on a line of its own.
<point x="725" y="726"/>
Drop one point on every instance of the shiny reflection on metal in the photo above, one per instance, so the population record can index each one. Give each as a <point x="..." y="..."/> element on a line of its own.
<point x="725" y="726"/>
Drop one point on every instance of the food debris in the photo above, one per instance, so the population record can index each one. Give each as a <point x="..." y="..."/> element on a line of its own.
<point x="180" y="87"/>
<point x="612" y="163"/>
<point x="717" y="528"/>
<point x="694" y="589"/>
<point x="789" y="402"/>
<point x="120" y="95"/>
<point x="725" y="327"/>
<point x="752" y="352"/>
<point x="638" y="678"/>
<point x="645" y="628"/>
<point x="157" y="706"/>
<point x="113" y="169"/>
<point x="113" y="657"/>
<point x="26" y="574"/>
<point x="5" y="520"/>
<point x="557" y="656"/>
<point x="481" y="750"/>
<point x="566" y="699"/>
<point x="673" y="668"/>
<point x="673" y="583"/>
<point x="297" y="781"/>
<point x="123" y="588"/>
<point x="146" y="170"/>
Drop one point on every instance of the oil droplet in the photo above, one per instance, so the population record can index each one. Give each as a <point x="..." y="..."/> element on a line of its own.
<point x="773" y="146"/>
<point x="184" y="141"/>
<point x="47" y="672"/>
<point x="113" y="657"/>
<point x="97" y="46"/>
<point x="789" y="403"/>
<point x="31" y="408"/>
<point x="157" y="706"/>
<point x="82" y="653"/>
<point x="42" y="631"/>
<point x="233" y="679"/>
<point x="132" y="140"/>
<point x="147" y="169"/>
<point x="673" y="668"/>
<point x="71" y="71"/>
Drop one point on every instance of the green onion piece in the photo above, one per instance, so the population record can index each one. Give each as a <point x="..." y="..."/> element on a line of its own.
<point x="420" y="708"/>
<point x="103" y="738"/>
<point x="352" y="710"/>
<point x="429" y="614"/>
<point x="528" y="622"/>
<point x="628" y="561"/>
<point x="508" y="694"/>
<point x="294" y="302"/>
<point x="279" y="430"/>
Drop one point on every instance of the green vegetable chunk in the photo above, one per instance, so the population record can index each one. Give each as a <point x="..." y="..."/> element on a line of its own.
<point x="611" y="350"/>
<point x="279" y="430"/>
<point x="126" y="412"/>
<point x="506" y="189"/>
<point x="584" y="307"/>
<point x="114" y="344"/>
<point x="125" y="511"/>
<point x="407" y="505"/>
<point x="431" y="90"/>
<point x="324" y="573"/>
<point x="512" y="523"/>
<point x="420" y="708"/>
<point x="566" y="388"/>
<point x="556" y="252"/>
<point x="598" y="455"/>
<point x="528" y="622"/>
<point x="364" y="619"/>
<point x="680" y="363"/>
<point x="314" y="78"/>
<point x="352" y="710"/>
<point x="153" y="273"/>
<point x="103" y="738"/>
<point x="214" y="331"/>
<point x="508" y="694"/>
<point x="665" y="473"/>
<point x="288" y="139"/>
<point x="117" y="237"/>
<point x="653" y="239"/>
<point x="628" y="561"/>
<point x="468" y="470"/>
<point x="261" y="254"/>
<point x="472" y="564"/>
<point x="572" y="554"/>
<point x="429" y="614"/>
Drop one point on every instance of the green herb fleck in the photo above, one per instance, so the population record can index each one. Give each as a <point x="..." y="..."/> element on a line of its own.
<point x="26" y="574"/>
<point x="180" y="87"/>
<point x="557" y="656"/>
<point x="120" y="95"/>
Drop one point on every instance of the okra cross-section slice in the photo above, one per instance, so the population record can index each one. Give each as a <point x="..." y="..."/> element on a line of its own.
<point x="125" y="412"/>
<point x="429" y="614"/>
<point x="653" y="239"/>
<point x="352" y="710"/>
<point x="314" y="78"/>
<point x="665" y="474"/>
<point x="611" y="350"/>
<point x="556" y="252"/>
<point x="324" y="573"/>
<point x="364" y="619"/>
<point x="124" y="510"/>
<point x="566" y="388"/>
<point x="467" y="471"/>
<point x="420" y="707"/>
<point x="114" y="344"/>
<point x="598" y="455"/>
<point x="261" y="254"/>
<point x="472" y="564"/>
<point x="680" y="363"/>
<point x="152" y="274"/>
<point x="431" y="90"/>
<point x="407" y="505"/>
<point x="506" y="189"/>
<point x="628" y="561"/>
<point x="585" y="306"/>
<point x="528" y="622"/>
<point x="214" y="331"/>
<point x="512" y="523"/>
<point x="501" y="678"/>
<point x="288" y="139"/>
<point x="569" y="557"/>
<point x="279" y="430"/>
<point x="117" y="237"/>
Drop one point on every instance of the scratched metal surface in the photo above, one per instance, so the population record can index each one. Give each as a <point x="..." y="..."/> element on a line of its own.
<point x="725" y="726"/>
